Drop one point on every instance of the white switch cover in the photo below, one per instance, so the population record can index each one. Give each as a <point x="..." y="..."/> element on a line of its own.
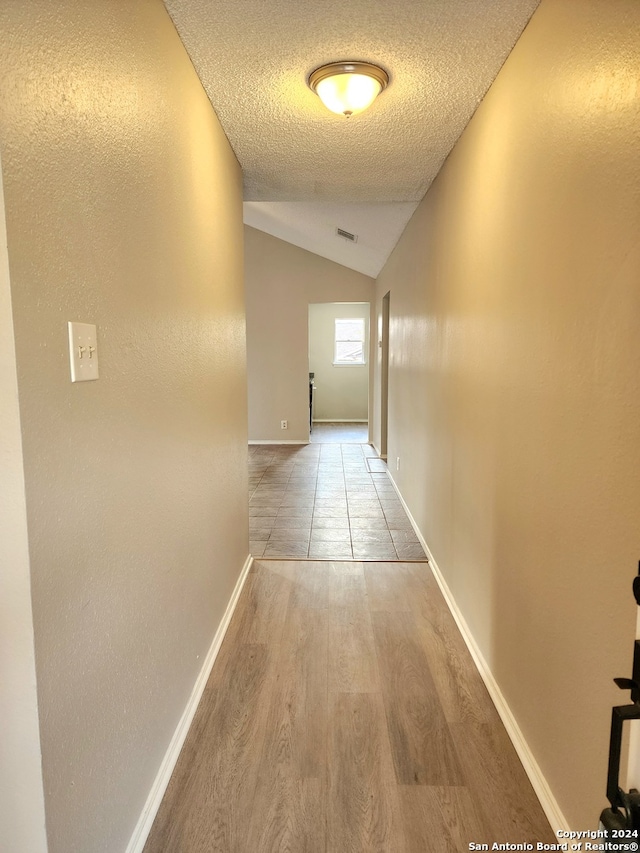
<point x="83" y="351"/>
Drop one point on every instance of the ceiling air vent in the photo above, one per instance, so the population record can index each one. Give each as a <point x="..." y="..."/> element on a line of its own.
<point x="352" y="238"/>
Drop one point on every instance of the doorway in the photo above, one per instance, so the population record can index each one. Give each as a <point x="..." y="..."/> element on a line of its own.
<point x="384" y="374"/>
<point x="339" y="372"/>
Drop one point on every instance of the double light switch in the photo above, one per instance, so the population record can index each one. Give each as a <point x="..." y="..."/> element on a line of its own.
<point x="83" y="351"/>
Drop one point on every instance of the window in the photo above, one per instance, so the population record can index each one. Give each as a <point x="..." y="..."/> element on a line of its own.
<point x="349" y="338"/>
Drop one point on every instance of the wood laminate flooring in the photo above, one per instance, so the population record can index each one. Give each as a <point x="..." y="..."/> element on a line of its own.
<point x="344" y="715"/>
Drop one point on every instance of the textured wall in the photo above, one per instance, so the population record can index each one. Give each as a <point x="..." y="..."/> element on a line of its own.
<point x="123" y="204"/>
<point x="281" y="282"/>
<point x="342" y="392"/>
<point x="515" y="380"/>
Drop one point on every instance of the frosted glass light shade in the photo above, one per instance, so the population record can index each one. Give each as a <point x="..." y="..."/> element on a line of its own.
<point x="347" y="88"/>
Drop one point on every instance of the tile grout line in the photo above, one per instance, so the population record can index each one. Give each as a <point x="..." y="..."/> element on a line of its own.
<point x="336" y="462"/>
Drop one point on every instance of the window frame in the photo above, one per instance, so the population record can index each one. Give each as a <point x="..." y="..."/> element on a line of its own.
<point x="337" y="362"/>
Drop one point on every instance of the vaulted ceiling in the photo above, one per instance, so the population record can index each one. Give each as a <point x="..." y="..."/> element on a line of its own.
<point x="308" y="171"/>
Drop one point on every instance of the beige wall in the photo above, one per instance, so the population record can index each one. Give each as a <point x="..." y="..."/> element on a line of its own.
<point x="123" y="204"/>
<point x="515" y="380"/>
<point x="281" y="282"/>
<point x="342" y="391"/>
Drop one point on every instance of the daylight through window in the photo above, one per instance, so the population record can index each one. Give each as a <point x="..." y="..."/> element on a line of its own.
<point x="349" y="348"/>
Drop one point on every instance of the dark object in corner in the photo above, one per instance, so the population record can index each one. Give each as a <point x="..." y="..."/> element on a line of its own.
<point x="622" y="821"/>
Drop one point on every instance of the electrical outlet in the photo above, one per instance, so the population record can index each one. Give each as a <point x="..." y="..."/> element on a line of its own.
<point x="397" y="463"/>
<point x="284" y="424"/>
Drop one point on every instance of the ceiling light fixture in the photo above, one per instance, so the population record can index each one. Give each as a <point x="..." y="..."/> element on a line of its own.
<point x="347" y="88"/>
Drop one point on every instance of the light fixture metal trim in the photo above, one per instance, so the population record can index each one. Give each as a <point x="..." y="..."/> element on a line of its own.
<point x="333" y="68"/>
<point x="347" y="68"/>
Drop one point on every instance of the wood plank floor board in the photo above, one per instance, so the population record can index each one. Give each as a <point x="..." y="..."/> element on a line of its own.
<point x="311" y="589"/>
<point x="264" y="601"/>
<point x="363" y="811"/>
<point x="462" y="692"/>
<point x="387" y="586"/>
<point x="291" y="817"/>
<point x="421" y="745"/>
<point x="347" y="586"/>
<point x="234" y="637"/>
<point x="258" y="617"/>
<point x="353" y="664"/>
<point x="327" y="584"/>
<point x="207" y="813"/>
<point x="498" y="783"/>
<point x="293" y="765"/>
<point x="440" y="819"/>
<point x="299" y="692"/>
<point x="286" y="569"/>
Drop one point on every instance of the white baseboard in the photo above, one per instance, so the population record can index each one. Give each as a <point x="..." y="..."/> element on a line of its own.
<point x="536" y="777"/>
<point x="143" y="827"/>
<point x="341" y="420"/>
<point x="278" y="442"/>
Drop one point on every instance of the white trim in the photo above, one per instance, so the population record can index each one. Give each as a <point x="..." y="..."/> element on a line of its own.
<point x="275" y="441"/>
<point x="341" y="420"/>
<point x="22" y="806"/>
<point x="145" y="822"/>
<point x="532" y="769"/>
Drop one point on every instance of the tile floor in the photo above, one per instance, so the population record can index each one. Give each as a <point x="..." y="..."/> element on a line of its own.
<point x="339" y="433"/>
<point x="326" y="501"/>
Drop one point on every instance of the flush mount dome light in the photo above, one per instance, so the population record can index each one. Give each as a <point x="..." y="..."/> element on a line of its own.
<point x="347" y="88"/>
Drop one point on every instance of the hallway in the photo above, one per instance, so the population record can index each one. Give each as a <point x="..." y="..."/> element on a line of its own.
<point x="158" y="192"/>
<point x="344" y="713"/>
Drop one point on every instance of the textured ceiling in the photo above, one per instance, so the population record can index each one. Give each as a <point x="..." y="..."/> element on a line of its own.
<point x="254" y="59"/>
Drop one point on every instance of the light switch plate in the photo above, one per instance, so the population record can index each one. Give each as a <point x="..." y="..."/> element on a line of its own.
<point x="83" y="352"/>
